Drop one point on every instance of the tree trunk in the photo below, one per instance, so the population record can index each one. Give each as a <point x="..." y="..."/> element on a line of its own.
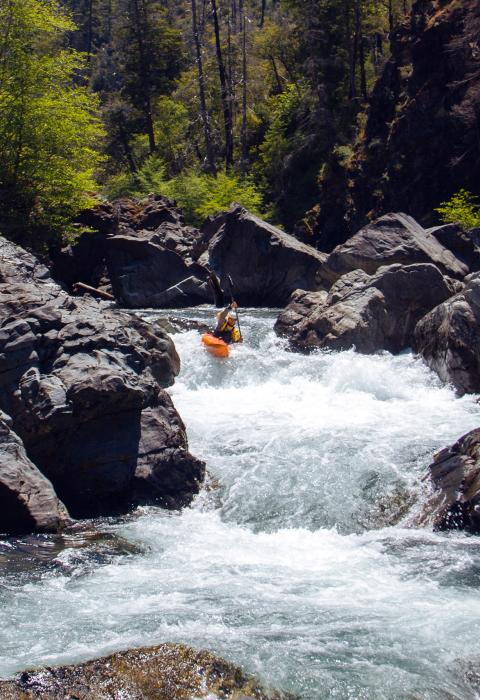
<point x="244" y="99"/>
<point x="361" y="50"/>
<point x="353" y="53"/>
<point x="391" y="19"/>
<point x="126" y="146"/>
<point x="262" y="13"/>
<point x="144" y="75"/>
<point x="276" y="74"/>
<point x="201" y="89"/>
<point x="227" y="112"/>
<point x="89" y="30"/>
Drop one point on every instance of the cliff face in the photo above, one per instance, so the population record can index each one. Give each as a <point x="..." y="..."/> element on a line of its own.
<point x="421" y="142"/>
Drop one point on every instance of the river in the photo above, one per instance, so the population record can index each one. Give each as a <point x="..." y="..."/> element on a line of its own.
<point x="288" y="564"/>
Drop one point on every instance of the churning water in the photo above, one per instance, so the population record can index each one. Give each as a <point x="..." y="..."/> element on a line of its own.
<point x="300" y="562"/>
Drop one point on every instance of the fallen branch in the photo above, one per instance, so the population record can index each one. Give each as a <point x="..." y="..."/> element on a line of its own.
<point x="93" y="290"/>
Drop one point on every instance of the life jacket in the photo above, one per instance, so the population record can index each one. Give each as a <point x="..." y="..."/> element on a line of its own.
<point x="236" y="337"/>
<point x="228" y="326"/>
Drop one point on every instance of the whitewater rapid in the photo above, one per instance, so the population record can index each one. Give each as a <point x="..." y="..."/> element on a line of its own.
<point x="299" y="561"/>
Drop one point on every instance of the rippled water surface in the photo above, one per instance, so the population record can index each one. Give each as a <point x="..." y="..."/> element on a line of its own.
<point x="299" y="563"/>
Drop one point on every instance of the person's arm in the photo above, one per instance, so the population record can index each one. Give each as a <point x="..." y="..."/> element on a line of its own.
<point x="222" y="317"/>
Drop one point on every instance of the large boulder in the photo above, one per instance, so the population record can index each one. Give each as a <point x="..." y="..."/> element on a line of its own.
<point x="454" y="501"/>
<point x="370" y="313"/>
<point x="84" y="386"/>
<point x="139" y="250"/>
<point x="391" y="239"/>
<point x="27" y="499"/>
<point x="448" y="338"/>
<point x="265" y="263"/>
<point x="146" y="274"/>
<point x="463" y="244"/>
<point x="164" y="672"/>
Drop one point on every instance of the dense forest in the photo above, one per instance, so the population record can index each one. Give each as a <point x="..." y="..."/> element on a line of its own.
<point x="205" y="101"/>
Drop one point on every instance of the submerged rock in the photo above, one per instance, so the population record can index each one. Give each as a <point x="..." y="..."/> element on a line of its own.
<point x="391" y="239"/>
<point x="84" y="386"/>
<point x="454" y="475"/>
<point x="370" y="313"/>
<point x="27" y="499"/>
<point x="448" y="338"/>
<point x="165" y="672"/>
<point x="265" y="263"/>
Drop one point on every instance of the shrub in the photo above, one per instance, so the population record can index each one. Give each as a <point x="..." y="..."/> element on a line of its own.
<point x="462" y="209"/>
<point x="199" y="195"/>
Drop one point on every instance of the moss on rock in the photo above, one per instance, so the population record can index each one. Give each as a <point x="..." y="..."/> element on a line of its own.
<point x="165" y="672"/>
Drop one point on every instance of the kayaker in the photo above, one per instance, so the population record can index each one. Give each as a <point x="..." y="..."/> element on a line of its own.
<point x="226" y="328"/>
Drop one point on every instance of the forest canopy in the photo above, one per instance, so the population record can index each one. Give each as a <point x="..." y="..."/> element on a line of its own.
<point x="196" y="99"/>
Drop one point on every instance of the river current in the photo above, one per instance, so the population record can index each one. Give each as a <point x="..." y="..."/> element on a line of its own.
<point x="299" y="561"/>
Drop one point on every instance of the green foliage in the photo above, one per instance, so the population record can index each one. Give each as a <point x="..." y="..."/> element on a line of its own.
<point x="198" y="194"/>
<point x="48" y="123"/>
<point x="277" y="141"/>
<point x="203" y="195"/>
<point x="463" y="209"/>
<point x="149" y="179"/>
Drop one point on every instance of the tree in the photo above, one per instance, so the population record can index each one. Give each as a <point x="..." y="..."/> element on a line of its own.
<point x="153" y="57"/>
<point x="201" y="92"/>
<point x="49" y="127"/>
<point x="225" y="92"/>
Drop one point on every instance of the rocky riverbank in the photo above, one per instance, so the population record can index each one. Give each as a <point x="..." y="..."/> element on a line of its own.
<point x="162" y="672"/>
<point x="147" y="256"/>
<point x="391" y="286"/>
<point x="87" y="426"/>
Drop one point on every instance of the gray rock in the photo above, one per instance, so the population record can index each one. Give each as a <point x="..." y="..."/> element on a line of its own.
<point x="462" y="244"/>
<point x="370" y="313"/>
<point x="27" y="499"/>
<point x="84" y="385"/>
<point x="448" y="338"/>
<point x="454" y="502"/>
<point x="136" y="249"/>
<point x="265" y="263"/>
<point x="144" y="274"/>
<point x="392" y="239"/>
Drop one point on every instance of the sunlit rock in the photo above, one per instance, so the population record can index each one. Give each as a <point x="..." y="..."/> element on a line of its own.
<point x="166" y="672"/>
<point x="368" y="312"/>
<point x="448" y="338"/>
<point x="392" y="239"/>
<point x="265" y="263"/>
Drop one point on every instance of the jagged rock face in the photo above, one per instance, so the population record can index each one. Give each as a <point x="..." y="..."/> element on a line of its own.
<point x="265" y="263"/>
<point x="149" y="258"/>
<point x="83" y="384"/>
<point x="27" y="499"/>
<point x="144" y="274"/>
<point x="137" y="250"/>
<point x="391" y="239"/>
<point x="455" y="480"/>
<point x="448" y="338"/>
<point x="165" y="672"/>
<point x="421" y="142"/>
<point x="370" y="313"/>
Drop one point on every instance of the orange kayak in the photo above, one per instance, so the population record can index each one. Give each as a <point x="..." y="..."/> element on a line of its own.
<point x="215" y="346"/>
